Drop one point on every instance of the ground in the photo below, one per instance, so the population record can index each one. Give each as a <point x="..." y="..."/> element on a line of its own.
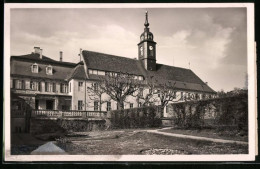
<point x="233" y="134"/>
<point x="128" y="142"/>
<point x="119" y="142"/>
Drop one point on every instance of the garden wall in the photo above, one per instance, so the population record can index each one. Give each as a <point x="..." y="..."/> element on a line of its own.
<point x="142" y="117"/>
<point x="226" y="111"/>
<point x="41" y="125"/>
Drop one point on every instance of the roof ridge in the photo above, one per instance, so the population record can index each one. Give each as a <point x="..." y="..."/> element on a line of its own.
<point x="45" y="59"/>
<point x="132" y="59"/>
<point x="110" y="54"/>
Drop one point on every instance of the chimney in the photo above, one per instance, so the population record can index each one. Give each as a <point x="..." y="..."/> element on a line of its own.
<point x="37" y="50"/>
<point x="80" y="53"/>
<point x="40" y="53"/>
<point x="60" y="56"/>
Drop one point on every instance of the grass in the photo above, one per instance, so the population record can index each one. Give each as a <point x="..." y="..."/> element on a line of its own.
<point x="211" y="133"/>
<point x="134" y="143"/>
<point x="126" y="142"/>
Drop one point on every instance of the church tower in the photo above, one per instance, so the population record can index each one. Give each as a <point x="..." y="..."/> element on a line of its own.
<point x="147" y="48"/>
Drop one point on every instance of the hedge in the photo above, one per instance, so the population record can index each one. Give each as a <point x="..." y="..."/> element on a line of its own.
<point x="227" y="111"/>
<point x="142" y="117"/>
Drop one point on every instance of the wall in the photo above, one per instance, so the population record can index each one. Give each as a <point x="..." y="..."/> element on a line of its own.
<point x="40" y="125"/>
<point x="18" y="122"/>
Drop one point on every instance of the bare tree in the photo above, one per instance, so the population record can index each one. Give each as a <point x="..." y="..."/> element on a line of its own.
<point x="158" y="92"/>
<point x="146" y="98"/>
<point x="166" y="93"/>
<point x="117" y="86"/>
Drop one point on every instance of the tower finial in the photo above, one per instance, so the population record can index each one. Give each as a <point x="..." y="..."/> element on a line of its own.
<point x="146" y="24"/>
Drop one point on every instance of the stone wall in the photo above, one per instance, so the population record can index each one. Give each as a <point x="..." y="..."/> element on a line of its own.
<point x="52" y="125"/>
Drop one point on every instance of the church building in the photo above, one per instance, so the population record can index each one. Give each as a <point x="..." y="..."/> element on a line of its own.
<point x="51" y="87"/>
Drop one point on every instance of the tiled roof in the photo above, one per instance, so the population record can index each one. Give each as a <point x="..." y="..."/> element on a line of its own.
<point x="77" y="73"/>
<point x="111" y="63"/>
<point x="21" y="66"/>
<point x="36" y="57"/>
<point x="183" y="78"/>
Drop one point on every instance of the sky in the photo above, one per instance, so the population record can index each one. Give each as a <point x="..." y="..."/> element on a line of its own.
<point x="210" y="41"/>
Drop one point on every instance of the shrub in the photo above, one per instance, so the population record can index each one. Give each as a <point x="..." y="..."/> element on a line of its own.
<point x="227" y="111"/>
<point x="135" y="118"/>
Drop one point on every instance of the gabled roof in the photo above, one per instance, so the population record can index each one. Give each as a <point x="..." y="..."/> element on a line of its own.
<point x="184" y="79"/>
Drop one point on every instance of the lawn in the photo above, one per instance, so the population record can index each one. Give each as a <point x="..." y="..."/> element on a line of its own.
<point x="133" y="143"/>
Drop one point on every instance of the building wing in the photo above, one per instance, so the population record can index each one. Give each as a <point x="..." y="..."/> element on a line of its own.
<point x="184" y="79"/>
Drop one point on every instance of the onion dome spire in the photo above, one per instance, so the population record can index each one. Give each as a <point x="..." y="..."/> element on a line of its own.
<point x="146" y="24"/>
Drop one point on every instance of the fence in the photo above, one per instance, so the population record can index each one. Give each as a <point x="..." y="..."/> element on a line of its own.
<point x="68" y="114"/>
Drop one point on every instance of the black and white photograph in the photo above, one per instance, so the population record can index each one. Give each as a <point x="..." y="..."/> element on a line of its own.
<point x="129" y="82"/>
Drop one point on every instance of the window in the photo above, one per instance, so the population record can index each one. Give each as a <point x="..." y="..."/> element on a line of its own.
<point x="80" y="86"/>
<point x="23" y="84"/>
<point x="80" y="105"/>
<point x="70" y="86"/>
<point x="203" y="96"/>
<point x="101" y="73"/>
<point x="167" y="109"/>
<point x="197" y="96"/>
<point x="39" y="86"/>
<point x="95" y="105"/>
<point x="108" y="106"/>
<point x="53" y="87"/>
<point x="90" y="71"/>
<point x="139" y="104"/>
<point x="140" y="78"/>
<point x="95" y="87"/>
<point x="174" y="95"/>
<point x="63" y="88"/>
<point x="141" y="91"/>
<point x="95" y="72"/>
<point x="159" y="93"/>
<point x="118" y="106"/>
<point x="32" y="85"/>
<point x="48" y="87"/>
<point x="181" y="95"/>
<point x="34" y="68"/>
<point x="49" y="70"/>
<point x="188" y="97"/>
<point x="131" y="105"/>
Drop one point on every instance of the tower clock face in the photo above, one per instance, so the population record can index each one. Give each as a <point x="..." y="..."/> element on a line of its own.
<point x="150" y="47"/>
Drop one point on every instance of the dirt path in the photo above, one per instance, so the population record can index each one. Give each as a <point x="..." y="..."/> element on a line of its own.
<point x="195" y="137"/>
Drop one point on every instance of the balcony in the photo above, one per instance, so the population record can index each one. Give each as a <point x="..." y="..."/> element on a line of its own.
<point x="68" y="114"/>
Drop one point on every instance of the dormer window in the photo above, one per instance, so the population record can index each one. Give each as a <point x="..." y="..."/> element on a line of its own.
<point x="49" y="70"/>
<point x="34" y="68"/>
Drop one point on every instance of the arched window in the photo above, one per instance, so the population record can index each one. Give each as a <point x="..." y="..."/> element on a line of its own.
<point x="34" y="68"/>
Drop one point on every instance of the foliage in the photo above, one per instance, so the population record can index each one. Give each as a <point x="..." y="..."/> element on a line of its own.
<point x="142" y="117"/>
<point x="225" y="111"/>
